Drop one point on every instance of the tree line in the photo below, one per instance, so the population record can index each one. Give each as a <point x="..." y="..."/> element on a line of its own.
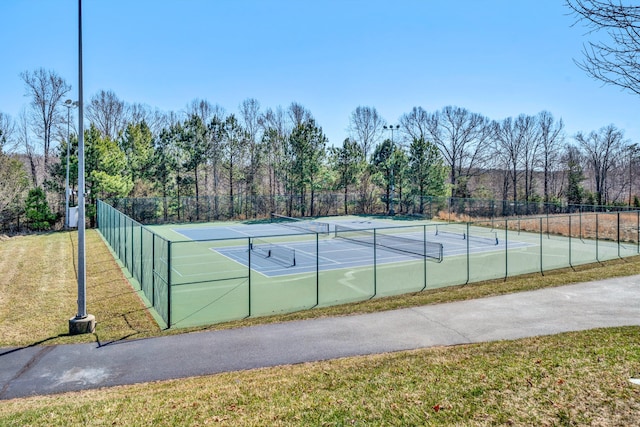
<point x="133" y="150"/>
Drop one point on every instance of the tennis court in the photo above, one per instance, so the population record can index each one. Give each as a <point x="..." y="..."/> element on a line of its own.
<point x="342" y="244"/>
<point x="196" y="274"/>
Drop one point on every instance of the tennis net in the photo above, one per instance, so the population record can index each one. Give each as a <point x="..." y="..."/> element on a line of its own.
<point x="489" y="237"/>
<point x="277" y="253"/>
<point x="405" y="245"/>
<point x="300" y="224"/>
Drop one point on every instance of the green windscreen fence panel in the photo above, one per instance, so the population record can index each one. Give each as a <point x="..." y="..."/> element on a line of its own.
<point x="137" y="252"/>
<point x="486" y="250"/>
<point x="129" y="244"/>
<point x="161" y="278"/>
<point x="199" y="282"/>
<point x="147" y="247"/>
<point x="454" y="269"/>
<point x="209" y="281"/>
<point x="583" y="238"/>
<point x="354" y="279"/>
<point x="608" y="235"/>
<point x="403" y="252"/>
<point x="283" y="273"/>
<point x="555" y="242"/>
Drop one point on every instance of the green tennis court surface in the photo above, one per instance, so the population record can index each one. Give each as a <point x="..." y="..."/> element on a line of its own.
<point x="209" y="273"/>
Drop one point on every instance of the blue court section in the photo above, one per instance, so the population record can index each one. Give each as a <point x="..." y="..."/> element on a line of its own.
<point x="332" y="253"/>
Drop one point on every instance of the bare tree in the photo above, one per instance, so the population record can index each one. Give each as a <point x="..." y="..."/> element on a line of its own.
<point x="275" y="132"/>
<point x="365" y="127"/>
<point x="7" y="128"/>
<point x="205" y="110"/>
<point x="249" y="112"/>
<point x="108" y="114"/>
<point x="615" y="61"/>
<point x="298" y="114"/>
<point x="276" y="119"/>
<point x="416" y="124"/>
<point x="602" y="150"/>
<point x="46" y="90"/>
<point x="463" y="138"/>
<point x="207" y="113"/>
<point x="529" y="133"/>
<point x="24" y="140"/>
<point x="201" y="108"/>
<point x="509" y="148"/>
<point x="154" y="118"/>
<point x="551" y="141"/>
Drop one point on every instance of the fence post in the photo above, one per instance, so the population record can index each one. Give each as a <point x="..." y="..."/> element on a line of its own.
<point x="249" y="274"/>
<point x="506" y="252"/>
<point x="153" y="270"/>
<point x="141" y="259"/>
<point x="133" y="251"/>
<point x="618" y="233"/>
<point x="375" y="266"/>
<point x="317" y="270"/>
<point x="580" y="218"/>
<point x="168" y="284"/>
<point x="541" y="252"/>
<point x="424" y="260"/>
<point x="468" y="256"/>
<point x="570" y="263"/>
<point x="597" y="254"/>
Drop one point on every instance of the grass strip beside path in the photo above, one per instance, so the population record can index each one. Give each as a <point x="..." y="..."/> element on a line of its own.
<point x="568" y="379"/>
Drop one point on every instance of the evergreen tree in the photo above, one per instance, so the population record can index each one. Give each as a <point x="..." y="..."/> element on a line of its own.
<point x="381" y="166"/>
<point x="428" y="171"/>
<point x="15" y="182"/>
<point x="347" y="161"/>
<point x="137" y="145"/>
<point x="37" y="211"/>
<point x="234" y="150"/>
<point x="307" y="148"/>
<point x="194" y="145"/>
<point x="575" y="192"/>
<point x="105" y="167"/>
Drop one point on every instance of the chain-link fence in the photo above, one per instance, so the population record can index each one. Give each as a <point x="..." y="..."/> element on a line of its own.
<point x="220" y="208"/>
<point x="196" y="282"/>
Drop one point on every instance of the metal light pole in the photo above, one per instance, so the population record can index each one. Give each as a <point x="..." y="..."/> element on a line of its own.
<point x="392" y="183"/>
<point x="69" y="104"/>
<point x="82" y="323"/>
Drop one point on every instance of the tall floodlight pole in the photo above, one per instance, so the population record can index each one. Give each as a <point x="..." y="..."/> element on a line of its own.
<point x="391" y="128"/>
<point x="69" y="104"/>
<point x="82" y="323"/>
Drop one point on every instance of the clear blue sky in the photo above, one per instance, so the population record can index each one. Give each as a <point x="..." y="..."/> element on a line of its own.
<point x="499" y="58"/>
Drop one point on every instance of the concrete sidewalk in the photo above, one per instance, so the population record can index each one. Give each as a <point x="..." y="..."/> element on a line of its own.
<point x="55" y="369"/>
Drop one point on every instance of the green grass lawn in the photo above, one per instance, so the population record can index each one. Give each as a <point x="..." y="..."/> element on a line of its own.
<point x="568" y="379"/>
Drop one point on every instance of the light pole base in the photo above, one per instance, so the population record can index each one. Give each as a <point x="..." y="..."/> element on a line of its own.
<point x="82" y="325"/>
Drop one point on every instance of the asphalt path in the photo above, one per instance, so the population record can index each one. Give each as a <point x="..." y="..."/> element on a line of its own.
<point x="40" y="370"/>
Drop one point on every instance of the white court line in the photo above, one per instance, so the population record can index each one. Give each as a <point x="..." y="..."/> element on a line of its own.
<point x="245" y="265"/>
<point x="235" y="230"/>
